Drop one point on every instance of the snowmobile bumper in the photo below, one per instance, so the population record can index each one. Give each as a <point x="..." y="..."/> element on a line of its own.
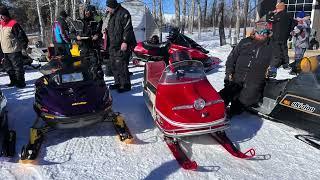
<point x="182" y="131"/>
<point x="63" y="122"/>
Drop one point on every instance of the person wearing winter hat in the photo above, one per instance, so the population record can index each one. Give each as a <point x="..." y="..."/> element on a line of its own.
<point x="61" y="35"/>
<point x="246" y="68"/>
<point x="121" y="41"/>
<point x="91" y="29"/>
<point x="281" y="28"/>
<point x="13" y="41"/>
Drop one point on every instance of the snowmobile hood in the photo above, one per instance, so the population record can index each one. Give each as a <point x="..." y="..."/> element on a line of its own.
<point x="191" y="103"/>
<point x="75" y="99"/>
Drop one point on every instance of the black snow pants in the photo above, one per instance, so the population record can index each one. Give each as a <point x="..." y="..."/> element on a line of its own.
<point x="230" y="94"/>
<point x="119" y="66"/>
<point x="13" y="65"/>
<point x="279" y="54"/>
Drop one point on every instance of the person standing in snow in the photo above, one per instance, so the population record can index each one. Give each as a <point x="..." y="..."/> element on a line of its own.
<point x="60" y="31"/>
<point x="300" y="38"/>
<point x="121" y="41"/>
<point x="91" y="29"/>
<point x="281" y="28"/>
<point x="246" y="68"/>
<point x="13" y="41"/>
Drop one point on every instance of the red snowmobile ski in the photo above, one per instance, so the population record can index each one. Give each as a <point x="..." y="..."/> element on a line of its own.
<point x="183" y="103"/>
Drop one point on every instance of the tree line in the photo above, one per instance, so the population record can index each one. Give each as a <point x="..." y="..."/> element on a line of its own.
<point x="190" y="15"/>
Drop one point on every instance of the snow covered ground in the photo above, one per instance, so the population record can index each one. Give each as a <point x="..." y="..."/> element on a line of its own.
<point x="95" y="153"/>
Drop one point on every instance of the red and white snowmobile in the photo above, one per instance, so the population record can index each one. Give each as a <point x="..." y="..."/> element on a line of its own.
<point x="152" y="50"/>
<point x="183" y="103"/>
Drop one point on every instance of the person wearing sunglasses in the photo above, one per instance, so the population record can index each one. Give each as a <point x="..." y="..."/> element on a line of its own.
<point x="246" y="68"/>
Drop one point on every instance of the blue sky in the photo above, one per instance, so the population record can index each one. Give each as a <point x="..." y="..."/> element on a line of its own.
<point x="168" y="5"/>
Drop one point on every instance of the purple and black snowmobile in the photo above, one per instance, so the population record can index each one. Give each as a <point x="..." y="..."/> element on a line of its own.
<point x="71" y="94"/>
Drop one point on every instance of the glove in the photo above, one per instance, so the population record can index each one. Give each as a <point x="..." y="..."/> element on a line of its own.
<point x="228" y="79"/>
<point x="271" y="72"/>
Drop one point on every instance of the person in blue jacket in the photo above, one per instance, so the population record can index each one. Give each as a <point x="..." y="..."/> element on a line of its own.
<point x="61" y="35"/>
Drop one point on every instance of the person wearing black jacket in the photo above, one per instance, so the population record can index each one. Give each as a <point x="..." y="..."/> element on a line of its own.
<point x="13" y="41"/>
<point x="90" y="37"/>
<point x="246" y="69"/>
<point x="281" y="28"/>
<point x="121" y="41"/>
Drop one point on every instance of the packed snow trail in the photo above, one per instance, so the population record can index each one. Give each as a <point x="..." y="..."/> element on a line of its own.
<point x="95" y="153"/>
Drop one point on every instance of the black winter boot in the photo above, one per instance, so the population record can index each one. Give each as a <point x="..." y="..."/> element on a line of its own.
<point x="13" y="80"/>
<point x="21" y="81"/>
<point x="125" y="88"/>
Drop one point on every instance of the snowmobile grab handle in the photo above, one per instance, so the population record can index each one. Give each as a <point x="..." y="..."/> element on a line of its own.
<point x="250" y="153"/>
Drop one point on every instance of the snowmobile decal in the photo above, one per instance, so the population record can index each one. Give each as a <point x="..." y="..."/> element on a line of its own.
<point x="301" y="104"/>
<point x="79" y="103"/>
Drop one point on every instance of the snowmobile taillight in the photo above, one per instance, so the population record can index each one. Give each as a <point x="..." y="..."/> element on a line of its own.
<point x="44" y="109"/>
<point x="199" y="104"/>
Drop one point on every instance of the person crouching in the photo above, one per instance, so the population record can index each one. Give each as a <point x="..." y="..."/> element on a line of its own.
<point x="246" y="68"/>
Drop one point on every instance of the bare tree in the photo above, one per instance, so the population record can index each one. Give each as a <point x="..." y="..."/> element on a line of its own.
<point x="205" y="12"/>
<point x="51" y="11"/>
<point x="214" y="5"/>
<point x="56" y="12"/>
<point x="177" y="12"/>
<point x="40" y="21"/>
<point x="232" y="10"/>
<point x="199" y="19"/>
<point x="184" y="11"/>
<point x="245" y="9"/>
<point x="192" y="15"/>
<point x="160" y="16"/>
<point x="154" y="10"/>
<point x="221" y="23"/>
<point x="238" y="19"/>
<point x="74" y="9"/>
<point x="66" y="5"/>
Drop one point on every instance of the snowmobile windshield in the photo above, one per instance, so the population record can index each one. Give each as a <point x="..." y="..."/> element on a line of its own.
<point x="185" y="41"/>
<point x="67" y="64"/>
<point x="182" y="72"/>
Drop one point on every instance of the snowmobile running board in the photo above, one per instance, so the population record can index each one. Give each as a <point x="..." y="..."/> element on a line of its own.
<point x="186" y="163"/>
<point x="30" y="152"/>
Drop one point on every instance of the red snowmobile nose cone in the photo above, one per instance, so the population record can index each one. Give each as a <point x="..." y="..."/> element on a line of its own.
<point x="199" y="104"/>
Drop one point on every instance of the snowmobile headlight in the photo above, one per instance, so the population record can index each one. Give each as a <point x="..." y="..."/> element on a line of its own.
<point x="199" y="104"/>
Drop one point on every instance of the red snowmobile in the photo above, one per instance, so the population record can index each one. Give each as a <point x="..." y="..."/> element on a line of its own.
<point x="183" y="103"/>
<point x="152" y="50"/>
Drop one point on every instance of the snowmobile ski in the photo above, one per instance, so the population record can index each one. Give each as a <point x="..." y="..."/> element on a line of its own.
<point x="222" y="138"/>
<point x="9" y="144"/>
<point x="310" y="140"/>
<point x="30" y="152"/>
<point x="181" y="157"/>
<point x="122" y="129"/>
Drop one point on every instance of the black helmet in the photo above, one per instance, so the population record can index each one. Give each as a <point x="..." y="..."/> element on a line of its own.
<point x="90" y="8"/>
<point x="173" y="33"/>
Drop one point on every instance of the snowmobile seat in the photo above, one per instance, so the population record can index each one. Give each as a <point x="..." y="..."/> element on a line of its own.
<point x="154" y="72"/>
<point x="274" y="88"/>
<point x="161" y="47"/>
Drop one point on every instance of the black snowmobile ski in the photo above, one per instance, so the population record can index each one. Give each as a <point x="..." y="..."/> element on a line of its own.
<point x="122" y="129"/>
<point x="222" y="138"/>
<point x="30" y="152"/>
<point x="181" y="157"/>
<point x="8" y="148"/>
<point x="309" y="139"/>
